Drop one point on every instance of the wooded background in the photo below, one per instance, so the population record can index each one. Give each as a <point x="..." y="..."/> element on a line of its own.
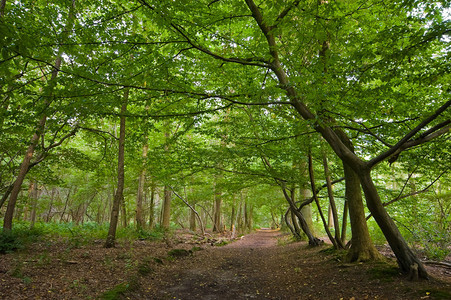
<point x="126" y="112"/>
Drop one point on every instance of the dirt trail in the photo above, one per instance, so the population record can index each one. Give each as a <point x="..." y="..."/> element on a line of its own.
<point x="234" y="271"/>
<point x="255" y="267"/>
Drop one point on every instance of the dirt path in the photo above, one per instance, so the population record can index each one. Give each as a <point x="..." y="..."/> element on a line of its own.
<point x="256" y="268"/>
<point x="235" y="271"/>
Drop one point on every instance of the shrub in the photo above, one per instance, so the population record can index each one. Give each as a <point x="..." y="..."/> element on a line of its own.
<point x="17" y="239"/>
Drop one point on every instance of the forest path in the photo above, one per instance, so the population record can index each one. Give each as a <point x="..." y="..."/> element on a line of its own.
<point x="256" y="267"/>
<point x="239" y="270"/>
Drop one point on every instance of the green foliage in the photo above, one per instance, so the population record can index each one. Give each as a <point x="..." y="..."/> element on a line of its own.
<point x="156" y="234"/>
<point x="18" y="238"/>
<point x="387" y="68"/>
<point x="433" y="239"/>
<point x="376" y="234"/>
<point x="116" y="292"/>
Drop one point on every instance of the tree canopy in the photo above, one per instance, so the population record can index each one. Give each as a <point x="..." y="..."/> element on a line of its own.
<point x="227" y="102"/>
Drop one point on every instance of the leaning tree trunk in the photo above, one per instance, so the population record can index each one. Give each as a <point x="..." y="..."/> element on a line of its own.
<point x="287" y="222"/>
<point x="119" y="195"/>
<point x="333" y="215"/>
<point x="295" y="223"/>
<point x="24" y="167"/>
<point x="315" y="197"/>
<point x="8" y="219"/>
<point x="404" y="255"/>
<point x="406" y="259"/>
<point x="313" y="241"/>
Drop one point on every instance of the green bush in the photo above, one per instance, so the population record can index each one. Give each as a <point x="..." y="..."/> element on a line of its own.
<point x="18" y="238"/>
<point x="154" y="235"/>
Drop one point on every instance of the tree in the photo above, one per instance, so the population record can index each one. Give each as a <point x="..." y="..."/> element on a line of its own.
<point x="271" y="27"/>
<point x="47" y="94"/>
<point x="119" y="195"/>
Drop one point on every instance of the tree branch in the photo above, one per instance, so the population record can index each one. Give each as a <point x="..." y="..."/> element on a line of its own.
<point x="408" y="136"/>
<point x="285" y="12"/>
<point x="99" y="131"/>
<point x="410" y="194"/>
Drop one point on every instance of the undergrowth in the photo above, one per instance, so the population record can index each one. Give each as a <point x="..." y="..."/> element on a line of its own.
<point x="18" y="238"/>
<point x="74" y="235"/>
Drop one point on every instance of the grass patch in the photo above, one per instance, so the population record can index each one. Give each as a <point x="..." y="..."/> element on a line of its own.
<point x="121" y="289"/>
<point x="116" y="292"/>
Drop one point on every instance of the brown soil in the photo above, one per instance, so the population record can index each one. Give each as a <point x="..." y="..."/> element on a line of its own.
<point x="256" y="266"/>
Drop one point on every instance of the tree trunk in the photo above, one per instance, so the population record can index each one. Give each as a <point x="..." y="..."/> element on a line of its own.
<point x="2" y="8"/>
<point x="287" y="222"/>
<point x="8" y="219"/>
<point x="406" y="259"/>
<point x="306" y="210"/>
<point x="362" y="248"/>
<point x="294" y="219"/>
<point x="34" y="202"/>
<point x="166" y="213"/>
<point x="49" y="212"/>
<point x="344" y="224"/>
<point x="239" y="219"/>
<point x="152" y="207"/>
<point x="295" y="223"/>
<point x="119" y="195"/>
<point x="246" y="215"/>
<point x="250" y="217"/>
<point x="65" y="203"/>
<point x="313" y="241"/>
<point x="124" y="213"/>
<point x="192" y="218"/>
<point x="233" y="214"/>
<point x="217" y="226"/>
<point x="315" y="196"/>
<point x="332" y="206"/>
<point x="140" y="196"/>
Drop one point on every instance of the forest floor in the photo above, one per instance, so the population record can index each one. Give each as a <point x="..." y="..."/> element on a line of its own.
<point x="261" y="265"/>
